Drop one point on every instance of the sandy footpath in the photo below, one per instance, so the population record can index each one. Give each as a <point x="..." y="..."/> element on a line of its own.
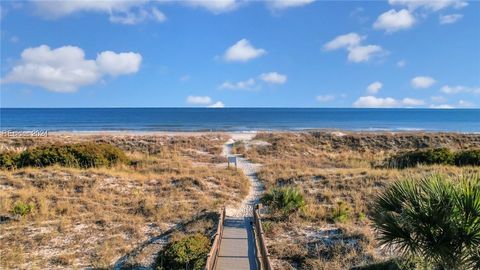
<point x="245" y="209"/>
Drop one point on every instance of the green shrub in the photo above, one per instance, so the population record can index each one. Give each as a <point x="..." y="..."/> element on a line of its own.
<point x="468" y="158"/>
<point x="436" y="219"/>
<point x="189" y="252"/>
<point x="22" y="209"/>
<point x="83" y="155"/>
<point x="442" y="156"/>
<point x="8" y="160"/>
<point x="285" y="200"/>
<point x="47" y="155"/>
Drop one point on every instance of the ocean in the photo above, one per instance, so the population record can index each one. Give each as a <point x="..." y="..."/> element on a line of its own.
<point x="238" y="119"/>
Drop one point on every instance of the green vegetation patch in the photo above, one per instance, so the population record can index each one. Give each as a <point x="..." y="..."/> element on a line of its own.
<point x="80" y="155"/>
<point x="436" y="219"/>
<point x="22" y="209"/>
<point x="286" y="200"/>
<point x="189" y="252"/>
<point x="440" y="156"/>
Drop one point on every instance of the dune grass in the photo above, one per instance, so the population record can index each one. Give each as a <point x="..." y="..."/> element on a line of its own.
<point x="88" y="217"/>
<point x="339" y="177"/>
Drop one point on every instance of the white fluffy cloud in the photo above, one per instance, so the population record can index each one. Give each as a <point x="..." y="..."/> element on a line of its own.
<point x="253" y="84"/>
<point x="422" y="82"/>
<point x="118" y="63"/>
<point x="124" y="12"/>
<point x="450" y="18"/>
<point x="393" y="20"/>
<point x="442" y="106"/>
<point x="356" y="52"/>
<point x="364" y="53"/>
<point x="217" y="104"/>
<point x="65" y="69"/>
<point x="273" y="78"/>
<point x="388" y="102"/>
<point x="325" y="98"/>
<point x="199" y="100"/>
<point x="241" y="85"/>
<point x="214" y="6"/>
<point x="137" y="17"/>
<point x="460" y="104"/>
<point x="204" y="101"/>
<point x="416" y="10"/>
<point x="284" y="4"/>
<point x="447" y="89"/>
<point x="242" y="51"/>
<point x="430" y="5"/>
<point x="374" y="87"/>
<point x="344" y="41"/>
<point x="374" y="102"/>
<point x="56" y="9"/>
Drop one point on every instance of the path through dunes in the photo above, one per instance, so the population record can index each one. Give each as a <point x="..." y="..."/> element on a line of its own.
<point x="237" y="245"/>
<point x="250" y="170"/>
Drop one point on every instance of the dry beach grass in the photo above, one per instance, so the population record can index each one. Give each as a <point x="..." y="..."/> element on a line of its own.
<point x="339" y="176"/>
<point x="90" y="217"/>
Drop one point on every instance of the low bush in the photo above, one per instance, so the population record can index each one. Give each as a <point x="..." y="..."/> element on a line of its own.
<point x="189" y="253"/>
<point x="82" y="155"/>
<point x="8" y="160"/>
<point x="284" y="200"/>
<point x="468" y="157"/>
<point x="440" y="156"/>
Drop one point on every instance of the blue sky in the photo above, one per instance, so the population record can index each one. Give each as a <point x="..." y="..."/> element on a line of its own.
<point x="233" y="53"/>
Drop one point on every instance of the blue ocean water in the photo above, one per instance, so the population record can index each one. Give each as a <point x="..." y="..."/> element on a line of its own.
<point x="238" y="119"/>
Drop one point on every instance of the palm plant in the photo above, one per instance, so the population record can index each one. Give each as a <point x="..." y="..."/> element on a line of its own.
<point x="436" y="219"/>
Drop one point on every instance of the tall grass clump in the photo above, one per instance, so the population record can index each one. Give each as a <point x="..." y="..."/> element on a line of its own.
<point x="436" y="219"/>
<point x="189" y="253"/>
<point x="439" y="156"/>
<point x="286" y="200"/>
<point x="341" y="212"/>
<point x="22" y="209"/>
<point x="80" y="155"/>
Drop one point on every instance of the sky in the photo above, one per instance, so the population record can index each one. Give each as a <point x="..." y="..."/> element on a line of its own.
<point x="236" y="53"/>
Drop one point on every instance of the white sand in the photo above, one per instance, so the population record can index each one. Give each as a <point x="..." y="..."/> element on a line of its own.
<point x="245" y="209"/>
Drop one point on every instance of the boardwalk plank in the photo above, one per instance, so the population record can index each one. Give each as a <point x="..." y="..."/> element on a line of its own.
<point x="237" y="247"/>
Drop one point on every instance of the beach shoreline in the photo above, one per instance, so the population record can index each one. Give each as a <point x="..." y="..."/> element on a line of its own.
<point x="337" y="132"/>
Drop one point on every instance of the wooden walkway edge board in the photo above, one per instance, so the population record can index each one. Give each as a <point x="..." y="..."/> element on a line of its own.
<point x="239" y="244"/>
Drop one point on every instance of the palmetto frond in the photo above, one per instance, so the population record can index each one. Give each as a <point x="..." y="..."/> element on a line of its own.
<point x="435" y="218"/>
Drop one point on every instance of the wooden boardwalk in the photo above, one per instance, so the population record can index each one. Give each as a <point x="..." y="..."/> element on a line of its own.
<point x="237" y="246"/>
